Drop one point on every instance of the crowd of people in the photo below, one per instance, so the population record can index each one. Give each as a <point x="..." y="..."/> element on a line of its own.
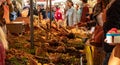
<point x="105" y="15"/>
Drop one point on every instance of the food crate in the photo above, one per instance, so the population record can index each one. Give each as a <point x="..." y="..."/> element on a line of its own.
<point x="15" y="27"/>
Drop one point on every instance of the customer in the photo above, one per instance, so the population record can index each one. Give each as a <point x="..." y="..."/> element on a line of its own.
<point x="112" y="21"/>
<point x="50" y="14"/>
<point x="5" y="9"/>
<point x="58" y="16"/>
<point x="97" y="39"/>
<point x="58" y="13"/>
<point x="71" y="14"/>
<point x="25" y="12"/>
<point x="15" y="13"/>
<point x="43" y="11"/>
<point x="85" y="12"/>
<point x="97" y="35"/>
<point x="79" y="11"/>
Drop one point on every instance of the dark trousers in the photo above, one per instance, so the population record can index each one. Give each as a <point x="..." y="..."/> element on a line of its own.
<point x="107" y="56"/>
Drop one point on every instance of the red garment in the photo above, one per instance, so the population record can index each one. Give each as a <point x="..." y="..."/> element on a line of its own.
<point x="6" y="13"/>
<point x="85" y="12"/>
<point x="2" y="54"/>
<point x="58" y="15"/>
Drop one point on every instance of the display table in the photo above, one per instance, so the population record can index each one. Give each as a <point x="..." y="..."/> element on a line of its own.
<point x="26" y="20"/>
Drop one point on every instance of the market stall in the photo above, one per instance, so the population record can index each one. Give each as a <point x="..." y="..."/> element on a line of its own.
<point x="56" y="46"/>
<point x="44" y="43"/>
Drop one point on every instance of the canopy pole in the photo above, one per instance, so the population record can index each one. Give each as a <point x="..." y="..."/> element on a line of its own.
<point x="50" y="13"/>
<point x="31" y="25"/>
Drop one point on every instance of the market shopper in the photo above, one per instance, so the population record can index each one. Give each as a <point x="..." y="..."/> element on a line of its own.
<point x="112" y="21"/>
<point x="16" y="12"/>
<point x="71" y="14"/>
<point x="58" y="16"/>
<point x="79" y="11"/>
<point x="97" y="35"/>
<point x="58" y="13"/>
<point x="85" y="12"/>
<point x="42" y="11"/>
<point x="25" y="12"/>
<point x="4" y="18"/>
<point x="50" y="15"/>
<point x="37" y="10"/>
<point x="97" y="38"/>
<point x="97" y="20"/>
<point x="5" y="9"/>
